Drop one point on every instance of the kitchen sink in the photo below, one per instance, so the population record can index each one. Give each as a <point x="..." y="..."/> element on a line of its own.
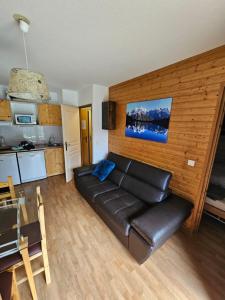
<point x="54" y="145"/>
<point x="2" y="148"/>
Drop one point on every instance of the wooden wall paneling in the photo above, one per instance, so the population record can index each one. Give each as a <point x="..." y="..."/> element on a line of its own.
<point x="195" y="86"/>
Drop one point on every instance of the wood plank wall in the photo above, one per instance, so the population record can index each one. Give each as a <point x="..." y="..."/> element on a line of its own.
<point x="195" y="85"/>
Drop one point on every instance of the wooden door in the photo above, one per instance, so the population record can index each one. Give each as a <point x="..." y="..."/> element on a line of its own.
<point x="5" y="110"/>
<point x="71" y="139"/>
<point x="86" y="135"/>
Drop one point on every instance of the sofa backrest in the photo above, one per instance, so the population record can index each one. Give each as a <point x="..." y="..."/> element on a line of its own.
<point x="146" y="182"/>
<point x="122" y="165"/>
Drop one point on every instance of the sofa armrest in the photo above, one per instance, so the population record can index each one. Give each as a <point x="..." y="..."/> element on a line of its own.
<point x="85" y="170"/>
<point x="158" y="223"/>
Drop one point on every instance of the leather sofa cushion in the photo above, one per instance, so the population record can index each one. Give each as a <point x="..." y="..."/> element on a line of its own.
<point x="91" y="186"/>
<point x="88" y="179"/>
<point x="116" y="176"/>
<point x="158" y="223"/>
<point x="157" y="177"/>
<point x="120" y="207"/>
<point x="142" y="190"/>
<point x="122" y="163"/>
<point x="84" y="170"/>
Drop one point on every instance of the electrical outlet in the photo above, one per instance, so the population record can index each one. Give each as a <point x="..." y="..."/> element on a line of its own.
<point x="191" y="162"/>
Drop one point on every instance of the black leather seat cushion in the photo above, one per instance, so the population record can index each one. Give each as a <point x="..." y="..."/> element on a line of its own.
<point x="88" y="180"/>
<point x="6" y="285"/>
<point x="91" y="186"/>
<point x="158" y="223"/>
<point x="32" y="231"/>
<point x="120" y="207"/>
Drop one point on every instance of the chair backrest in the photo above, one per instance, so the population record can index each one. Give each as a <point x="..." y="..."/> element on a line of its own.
<point x="7" y="190"/>
<point x="41" y="215"/>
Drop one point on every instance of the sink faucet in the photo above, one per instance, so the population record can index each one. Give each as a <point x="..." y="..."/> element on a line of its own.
<point x="51" y="140"/>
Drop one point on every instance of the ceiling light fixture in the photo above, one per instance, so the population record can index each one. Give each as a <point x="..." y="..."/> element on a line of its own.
<point x="23" y="83"/>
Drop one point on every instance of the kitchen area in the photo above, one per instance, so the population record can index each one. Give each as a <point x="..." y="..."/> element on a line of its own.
<point x="31" y="140"/>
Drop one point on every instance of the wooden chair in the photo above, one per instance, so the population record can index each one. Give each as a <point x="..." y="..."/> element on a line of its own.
<point x="7" y="191"/>
<point x="36" y="237"/>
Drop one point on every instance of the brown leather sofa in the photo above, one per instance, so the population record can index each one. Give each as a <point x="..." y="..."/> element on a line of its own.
<point x="135" y="202"/>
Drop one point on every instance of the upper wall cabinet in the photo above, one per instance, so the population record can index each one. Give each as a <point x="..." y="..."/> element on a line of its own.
<point x="49" y="114"/>
<point x="5" y="110"/>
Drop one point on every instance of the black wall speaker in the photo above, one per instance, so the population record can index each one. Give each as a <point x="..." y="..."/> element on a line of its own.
<point x="109" y="115"/>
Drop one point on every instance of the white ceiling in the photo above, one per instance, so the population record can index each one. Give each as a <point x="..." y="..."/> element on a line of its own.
<point x="77" y="42"/>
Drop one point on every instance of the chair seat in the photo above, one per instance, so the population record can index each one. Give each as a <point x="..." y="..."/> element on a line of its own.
<point x="120" y="207"/>
<point x="91" y="186"/>
<point x="32" y="231"/>
<point x="7" y="218"/>
<point x="6" y="285"/>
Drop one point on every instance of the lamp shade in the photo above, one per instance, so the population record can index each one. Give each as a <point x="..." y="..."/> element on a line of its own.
<point x="28" y="85"/>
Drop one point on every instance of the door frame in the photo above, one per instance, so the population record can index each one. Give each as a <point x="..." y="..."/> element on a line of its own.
<point x="211" y="153"/>
<point x="80" y="107"/>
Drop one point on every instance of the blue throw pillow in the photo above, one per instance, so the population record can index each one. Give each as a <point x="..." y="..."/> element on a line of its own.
<point x="103" y="169"/>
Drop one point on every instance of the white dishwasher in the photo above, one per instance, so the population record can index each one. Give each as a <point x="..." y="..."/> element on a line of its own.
<point x="31" y="165"/>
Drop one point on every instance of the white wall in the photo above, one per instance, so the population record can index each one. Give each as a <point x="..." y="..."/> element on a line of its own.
<point x="70" y="97"/>
<point x="14" y="134"/>
<point x="3" y="89"/>
<point x="85" y="95"/>
<point x="95" y="94"/>
<point x="100" y="136"/>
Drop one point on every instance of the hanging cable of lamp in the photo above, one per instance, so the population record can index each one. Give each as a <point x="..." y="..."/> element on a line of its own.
<point x="23" y="83"/>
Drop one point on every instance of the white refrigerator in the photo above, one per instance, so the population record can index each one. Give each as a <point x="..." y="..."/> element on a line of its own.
<point x="9" y="167"/>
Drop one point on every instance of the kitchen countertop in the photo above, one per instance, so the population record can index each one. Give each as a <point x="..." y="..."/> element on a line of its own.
<point x="37" y="148"/>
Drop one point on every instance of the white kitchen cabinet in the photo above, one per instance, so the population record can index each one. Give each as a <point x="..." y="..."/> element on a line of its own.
<point x="9" y="167"/>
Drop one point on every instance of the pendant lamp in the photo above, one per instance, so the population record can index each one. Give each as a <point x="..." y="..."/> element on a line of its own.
<point x="23" y="83"/>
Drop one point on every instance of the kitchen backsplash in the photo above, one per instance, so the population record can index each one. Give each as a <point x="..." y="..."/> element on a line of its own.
<point x="37" y="134"/>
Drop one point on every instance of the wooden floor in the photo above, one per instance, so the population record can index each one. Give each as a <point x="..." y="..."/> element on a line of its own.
<point x="88" y="262"/>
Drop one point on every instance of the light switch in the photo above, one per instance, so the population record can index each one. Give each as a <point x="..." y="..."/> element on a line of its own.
<point x="191" y="162"/>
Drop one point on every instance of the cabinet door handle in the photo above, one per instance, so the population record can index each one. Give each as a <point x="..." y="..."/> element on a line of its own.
<point x="66" y="145"/>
